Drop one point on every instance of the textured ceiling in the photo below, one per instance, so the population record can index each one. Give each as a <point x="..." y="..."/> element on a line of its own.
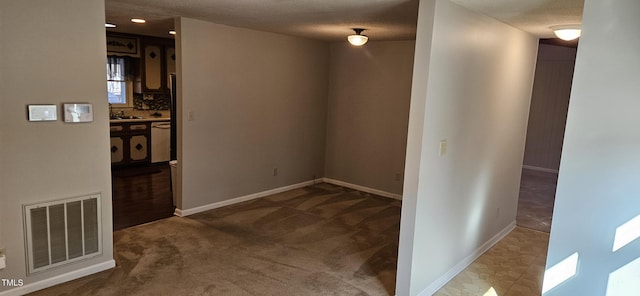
<point x="331" y="20"/>
<point x="533" y="16"/>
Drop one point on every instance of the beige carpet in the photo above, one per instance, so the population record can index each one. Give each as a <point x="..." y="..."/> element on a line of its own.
<point x="317" y="240"/>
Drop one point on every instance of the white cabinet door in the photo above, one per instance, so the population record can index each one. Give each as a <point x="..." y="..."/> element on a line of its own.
<point x="152" y="67"/>
<point x="117" y="150"/>
<point x="138" y="148"/>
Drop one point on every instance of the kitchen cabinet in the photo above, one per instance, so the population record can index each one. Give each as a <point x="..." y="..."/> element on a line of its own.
<point x="153" y="74"/>
<point x="158" y="62"/>
<point x="130" y="143"/>
<point x="171" y="62"/>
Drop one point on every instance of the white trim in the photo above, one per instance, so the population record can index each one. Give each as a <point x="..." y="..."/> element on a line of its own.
<point x="535" y="168"/>
<point x="59" y="279"/>
<point x="363" y="189"/>
<point x="215" y="205"/>
<point x="462" y="265"/>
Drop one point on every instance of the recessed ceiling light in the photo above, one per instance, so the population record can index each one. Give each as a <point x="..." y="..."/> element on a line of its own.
<point x="172" y="32"/>
<point x="109" y="25"/>
<point x="138" y="21"/>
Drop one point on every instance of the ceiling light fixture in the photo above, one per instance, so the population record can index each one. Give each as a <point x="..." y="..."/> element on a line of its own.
<point x="109" y="25"/>
<point x="138" y="21"/>
<point x="172" y="32"/>
<point x="358" y="39"/>
<point x="567" y="32"/>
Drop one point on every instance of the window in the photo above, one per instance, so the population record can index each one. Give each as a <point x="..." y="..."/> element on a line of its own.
<point x="117" y="86"/>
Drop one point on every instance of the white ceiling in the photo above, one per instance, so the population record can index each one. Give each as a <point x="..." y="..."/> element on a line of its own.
<point x="331" y="20"/>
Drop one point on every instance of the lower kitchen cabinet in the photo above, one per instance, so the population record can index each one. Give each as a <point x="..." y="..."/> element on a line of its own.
<point x="117" y="150"/>
<point x="130" y="143"/>
<point x="139" y="148"/>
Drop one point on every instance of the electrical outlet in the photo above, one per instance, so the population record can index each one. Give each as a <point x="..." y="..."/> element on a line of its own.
<point x="275" y="171"/>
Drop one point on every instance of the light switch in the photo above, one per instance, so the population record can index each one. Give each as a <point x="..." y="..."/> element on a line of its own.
<point x="443" y="148"/>
<point x="190" y="116"/>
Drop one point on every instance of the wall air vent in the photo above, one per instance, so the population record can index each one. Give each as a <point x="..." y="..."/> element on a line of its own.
<point x="63" y="231"/>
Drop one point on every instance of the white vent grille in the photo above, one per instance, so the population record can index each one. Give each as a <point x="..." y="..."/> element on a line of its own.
<point x="62" y="231"/>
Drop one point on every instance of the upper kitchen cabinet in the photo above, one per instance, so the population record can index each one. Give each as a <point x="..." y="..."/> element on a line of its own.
<point x="157" y="63"/>
<point x="153" y="68"/>
<point x="171" y="62"/>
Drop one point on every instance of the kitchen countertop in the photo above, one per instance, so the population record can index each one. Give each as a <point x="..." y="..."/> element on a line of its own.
<point x="146" y="119"/>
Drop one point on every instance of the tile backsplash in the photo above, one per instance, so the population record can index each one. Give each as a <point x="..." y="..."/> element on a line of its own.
<point x="151" y="101"/>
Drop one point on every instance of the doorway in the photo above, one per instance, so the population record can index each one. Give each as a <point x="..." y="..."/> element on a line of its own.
<point x="142" y="129"/>
<point x="545" y="133"/>
<point x="141" y="195"/>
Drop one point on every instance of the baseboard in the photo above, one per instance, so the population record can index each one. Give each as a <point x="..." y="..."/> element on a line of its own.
<point x="462" y="265"/>
<point x="363" y="188"/>
<point x="535" y="168"/>
<point x="215" y="205"/>
<point x="59" y="279"/>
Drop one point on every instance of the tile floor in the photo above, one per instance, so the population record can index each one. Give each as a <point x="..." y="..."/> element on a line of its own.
<point x="515" y="265"/>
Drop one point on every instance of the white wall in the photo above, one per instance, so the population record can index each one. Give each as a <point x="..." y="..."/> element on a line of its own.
<point x="368" y="113"/>
<point x="51" y="52"/>
<point x="259" y="102"/>
<point x="598" y="180"/>
<point x="472" y="86"/>
<point x="549" y="104"/>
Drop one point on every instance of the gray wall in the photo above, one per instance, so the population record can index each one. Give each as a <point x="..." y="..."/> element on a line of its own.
<point x="368" y="113"/>
<point x="471" y="86"/>
<point x="51" y="52"/>
<point x="258" y="101"/>
<point x="598" y="181"/>
<point x="549" y="104"/>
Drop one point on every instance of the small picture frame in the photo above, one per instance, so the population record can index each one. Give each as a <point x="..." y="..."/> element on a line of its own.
<point x="75" y="113"/>
<point x="47" y="112"/>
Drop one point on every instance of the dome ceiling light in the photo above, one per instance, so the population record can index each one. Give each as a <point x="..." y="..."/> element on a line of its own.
<point x="358" y="39"/>
<point x="567" y="32"/>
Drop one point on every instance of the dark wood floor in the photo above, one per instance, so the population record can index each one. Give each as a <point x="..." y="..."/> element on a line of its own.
<point x="141" y="195"/>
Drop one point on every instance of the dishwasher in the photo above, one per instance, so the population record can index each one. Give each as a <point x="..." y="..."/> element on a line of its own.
<point x="160" y="141"/>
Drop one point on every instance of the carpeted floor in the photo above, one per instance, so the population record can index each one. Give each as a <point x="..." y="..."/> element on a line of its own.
<point x="317" y="240"/>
